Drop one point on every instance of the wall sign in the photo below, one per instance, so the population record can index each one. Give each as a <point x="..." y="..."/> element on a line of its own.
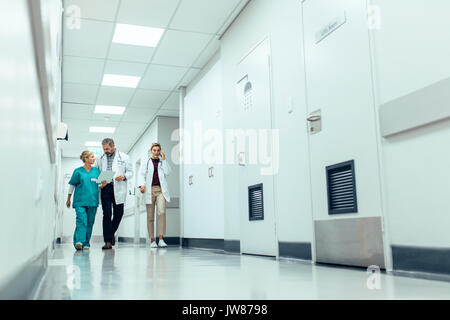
<point x="330" y="27"/>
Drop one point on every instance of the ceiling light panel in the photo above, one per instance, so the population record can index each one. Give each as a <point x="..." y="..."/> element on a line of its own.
<point x="109" y="109"/>
<point x="117" y="80"/>
<point x="137" y="35"/>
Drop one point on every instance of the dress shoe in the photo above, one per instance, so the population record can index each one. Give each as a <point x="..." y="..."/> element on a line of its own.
<point x="107" y="245"/>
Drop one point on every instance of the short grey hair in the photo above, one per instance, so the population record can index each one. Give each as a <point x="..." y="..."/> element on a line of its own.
<point x="108" y="141"/>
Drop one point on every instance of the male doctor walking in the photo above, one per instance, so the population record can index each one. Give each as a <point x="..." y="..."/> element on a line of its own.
<point x="114" y="193"/>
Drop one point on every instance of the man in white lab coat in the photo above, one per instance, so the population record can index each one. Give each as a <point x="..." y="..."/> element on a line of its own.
<point x="114" y="193"/>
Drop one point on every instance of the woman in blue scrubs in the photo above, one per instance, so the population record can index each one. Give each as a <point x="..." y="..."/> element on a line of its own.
<point x="85" y="200"/>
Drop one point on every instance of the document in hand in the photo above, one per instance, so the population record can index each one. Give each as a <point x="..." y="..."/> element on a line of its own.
<point x="107" y="176"/>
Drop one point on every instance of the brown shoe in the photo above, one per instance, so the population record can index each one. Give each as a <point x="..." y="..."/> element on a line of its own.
<point x="107" y="246"/>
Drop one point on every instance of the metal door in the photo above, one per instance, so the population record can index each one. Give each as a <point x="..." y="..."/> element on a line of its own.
<point x="341" y="124"/>
<point x="253" y="93"/>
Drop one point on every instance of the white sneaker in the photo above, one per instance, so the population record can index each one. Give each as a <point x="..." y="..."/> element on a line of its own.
<point x="154" y="245"/>
<point x="162" y="244"/>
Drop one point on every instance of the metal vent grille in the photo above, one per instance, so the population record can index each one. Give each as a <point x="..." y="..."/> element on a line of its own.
<point x="256" y="202"/>
<point x="341" y="188"/>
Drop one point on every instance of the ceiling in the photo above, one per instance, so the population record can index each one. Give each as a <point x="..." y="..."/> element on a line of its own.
<point x="191" y="37"/>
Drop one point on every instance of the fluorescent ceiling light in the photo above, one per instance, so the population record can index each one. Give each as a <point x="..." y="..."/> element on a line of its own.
<point x="93" y="144"/>
<point x="137" y="35"/>
<point x="117" y="80"/>
<point x="109" y="109"/>
<point x="102" y="129"/>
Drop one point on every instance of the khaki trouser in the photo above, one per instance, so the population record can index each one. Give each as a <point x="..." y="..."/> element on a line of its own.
<point x="160" y="201"/>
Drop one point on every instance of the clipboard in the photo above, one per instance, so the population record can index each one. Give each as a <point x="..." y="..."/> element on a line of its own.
<point x="107" y="176"/>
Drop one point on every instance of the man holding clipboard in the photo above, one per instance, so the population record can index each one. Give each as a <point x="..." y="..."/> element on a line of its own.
<point x="116" y="169"/>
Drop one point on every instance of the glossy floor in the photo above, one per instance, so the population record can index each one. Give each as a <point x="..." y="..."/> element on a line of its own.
<point x="137" y="272"/>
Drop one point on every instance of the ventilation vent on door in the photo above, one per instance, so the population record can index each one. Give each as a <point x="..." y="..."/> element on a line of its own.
<point x="341" y="188"/>
<point x="255" y="202"/>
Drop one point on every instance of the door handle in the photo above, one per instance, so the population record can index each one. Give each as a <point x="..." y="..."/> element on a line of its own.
<point x="211" y="172"/>
<point x="314" y="118"/>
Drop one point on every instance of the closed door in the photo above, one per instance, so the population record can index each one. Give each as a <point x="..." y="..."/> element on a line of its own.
<point x="253" y="115"/>
<point x="346" y="199"/>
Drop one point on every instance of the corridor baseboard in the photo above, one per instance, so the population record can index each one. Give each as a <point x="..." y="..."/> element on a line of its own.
<point x="169" y="240"/>
<point x="231" y="246"/>
<point x="421" y="262"/>
<point x="298" y="250"/>
<point x="202" y="243"/>
<point x="22" y="285"/>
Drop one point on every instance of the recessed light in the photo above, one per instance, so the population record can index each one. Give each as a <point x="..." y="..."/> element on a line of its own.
<point x="137" y="35"/>
<point x="109" y="109"/>
<point x="93" y="144"/>
<point x="117" y="80"/>
<point x="102" y="129"/>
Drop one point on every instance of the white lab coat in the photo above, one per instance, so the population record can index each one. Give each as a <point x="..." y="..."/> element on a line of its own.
<point x="146" y="178"/>
<point x="121" y="166"/>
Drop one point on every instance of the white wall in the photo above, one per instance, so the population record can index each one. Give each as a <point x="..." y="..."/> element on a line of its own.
<point x="411" y="53"/>
<point x="204" y="199"/>
<point x="282" y="23"/>
<point x="28" y="205"/>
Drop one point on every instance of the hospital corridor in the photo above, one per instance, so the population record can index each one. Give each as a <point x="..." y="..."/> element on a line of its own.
<point x="224" y="150"/>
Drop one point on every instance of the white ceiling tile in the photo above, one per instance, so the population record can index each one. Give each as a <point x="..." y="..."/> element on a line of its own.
<point x="162" y="77"/>
<point x="130" y="128"/>
<point x="151" y="99"/>
<point x="107" y="118"/>
<point x="82" y="70"/>
<point x="124" y="143"/>
<point x="102" y="123"/>
<point x="208" y="53"/>
<point x="125" y="68"/>
<point x="77" y="129"/>
<point x="98" y="136"/>
<point x="114" y="96"/>
<point x="168" y="113"/>
<point x="98" y="9"/>
<point x="203" y="15"/>
<point x="79" y="93"/>
<point x="125" y="146"/>
<point x="152" y="13"/>
<point x="71" y="152"/>
<point x="180" y="48"/>
<point x="173" y="103"/>
<point x="130" y="53"/>
<point x="190" y="75"/>
<point x="91" y="40"/>
<point x="77" y="111"/>
<point x="138" y="114"/>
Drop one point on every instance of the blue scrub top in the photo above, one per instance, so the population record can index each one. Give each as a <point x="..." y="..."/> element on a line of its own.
<point x="86" y="187"/>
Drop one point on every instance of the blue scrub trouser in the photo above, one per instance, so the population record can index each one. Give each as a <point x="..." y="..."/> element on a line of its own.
<point x="85" y="222"/>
